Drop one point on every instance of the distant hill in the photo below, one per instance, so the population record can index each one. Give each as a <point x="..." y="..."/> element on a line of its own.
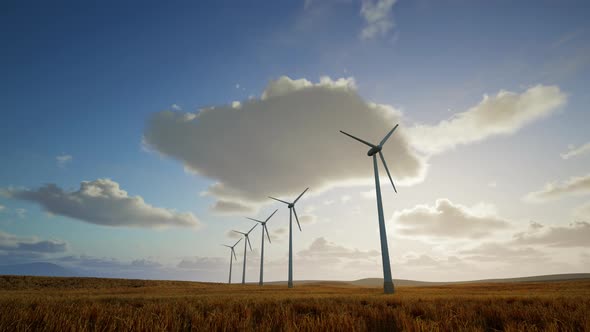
<point x="37" y="269"/>
<point x="377" y="282"/>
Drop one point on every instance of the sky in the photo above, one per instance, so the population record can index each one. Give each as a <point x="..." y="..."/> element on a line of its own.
<point x="135" y="136"/>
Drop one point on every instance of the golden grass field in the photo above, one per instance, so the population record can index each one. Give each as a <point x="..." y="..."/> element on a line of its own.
<point x="92" y="304"/>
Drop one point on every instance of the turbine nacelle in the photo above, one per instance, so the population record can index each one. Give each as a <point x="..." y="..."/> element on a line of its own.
<point x="374" y="150"/>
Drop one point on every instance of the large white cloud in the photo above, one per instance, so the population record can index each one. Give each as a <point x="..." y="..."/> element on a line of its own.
<point x="448" y="220"/>
<point x="103" y="202"/>
<point x="577" y="185"/>
<point x="285" y="141"/>
<point x="502" y="114"/>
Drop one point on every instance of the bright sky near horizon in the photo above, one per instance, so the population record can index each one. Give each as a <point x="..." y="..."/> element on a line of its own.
<point x="135" y="136"/>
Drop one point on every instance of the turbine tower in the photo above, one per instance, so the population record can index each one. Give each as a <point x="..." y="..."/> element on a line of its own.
<point x="376" y="149"/>
<point x="247" y="241"/>
<point x="291" y="212"/>
<point x="264" y="229"/>
<point x="232" y="256"/>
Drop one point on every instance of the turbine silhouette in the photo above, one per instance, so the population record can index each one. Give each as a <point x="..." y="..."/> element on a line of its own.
<point x="291" y="212"/>
<point x="232" y="256"/>
<point x="388" y="287"/>
<point x="264" y="229"/>
<point x="247" y="241"/>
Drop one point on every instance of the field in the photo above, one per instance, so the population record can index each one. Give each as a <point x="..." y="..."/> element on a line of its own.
<point x="89" y="304"/>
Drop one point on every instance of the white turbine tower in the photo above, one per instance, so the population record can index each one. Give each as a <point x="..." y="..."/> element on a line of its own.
<point x="291" y="212"/>
<point x="264" y="229"/>
<point x="232" y="256"/>
<point x="376" y="149"/>
<point x="246" y="242"/>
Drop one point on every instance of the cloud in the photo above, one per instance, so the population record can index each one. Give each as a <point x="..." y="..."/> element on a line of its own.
<point x="577" y="185"/>
<point x="583" y="212"/>
<point x="500" y="252"/>
<point x="321" y="247"/>
<point x="175" y="107"/>
<point x="202" y="263"/>
<point x="448" y="220"/>
<point x="2" y="207"/>
<point x="102" y="202"/>
<point x="574" y="235"/>
<point x="63" y="160"/>
<point x="378" y="16"/>
<point x="231" y="208"/>
<point x="502" y="114"/>
<point x="12" y="243"/>
<point x="285" y="141"/>
<point x="576" y="152"/>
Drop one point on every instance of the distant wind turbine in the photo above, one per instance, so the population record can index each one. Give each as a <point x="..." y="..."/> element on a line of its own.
<point x="264" y="229"/>
<point x="292" y="211"/>
<point x="232" y="256"/>
<point x="376" y="149"/>
<point x="247" y="241"/>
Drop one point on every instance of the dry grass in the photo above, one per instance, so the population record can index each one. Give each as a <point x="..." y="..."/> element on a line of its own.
<point x="82" y="304"/>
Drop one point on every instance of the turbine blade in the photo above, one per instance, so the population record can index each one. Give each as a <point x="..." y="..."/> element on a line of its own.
<point x="387" y="170"/>
<point x="387" y="136"/>
<point x="297" y="218"/>
<point x="358" y="139"/>
<point x="276" y="199"/>
<point x="267" y="219"/>
<point x="252" y="228"/>
<point x="300" y="195"/>
<point x="233" y="230"/>
<point x="234" y="252"/>
<point x="267" y="236"/>
<point x="249" y="245"/>
<point x="235" y="244"/>
<point x="225" y="245"/>
<point x="255" y="220"/>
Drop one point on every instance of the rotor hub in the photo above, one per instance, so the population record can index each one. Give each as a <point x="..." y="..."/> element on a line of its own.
<point x="373" y="151"/>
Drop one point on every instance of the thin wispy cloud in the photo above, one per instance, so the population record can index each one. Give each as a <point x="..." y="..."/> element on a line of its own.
<point x="378" y="17"/>
<point x="63" y="160"/>
<point x="502" y="114"/>
<point x="576" y="151"/>
<point x="576" y="185"/>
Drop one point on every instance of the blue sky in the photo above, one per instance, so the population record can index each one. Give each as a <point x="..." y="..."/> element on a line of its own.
<point x="87" y="80"/>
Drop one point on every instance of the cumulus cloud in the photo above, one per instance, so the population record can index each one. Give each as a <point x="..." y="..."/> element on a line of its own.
<point x="378" y="16"/>
<point x="231" y="208"/>
<point x="285" y="141"/>
<point x="502" y="114"/>
<point x="577" y="185"/>
<point x="321" y="247"/>
<point x="103" y="202"/>
<point x="12" y="243"/>
<point x="576" y="152"/>
<point x="574" y="235"/>
<point x="449" y="220"/>
<point x="2" y="207"/>
<point x="63" y="160"/>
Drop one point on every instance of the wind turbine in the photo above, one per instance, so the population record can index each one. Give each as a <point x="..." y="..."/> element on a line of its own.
<point x="232" y="256"/>
<point x="264" y="229"/>
<point x="376" y="149"/>
<point x="247" y="241"/>
<point x="291" y="212"/>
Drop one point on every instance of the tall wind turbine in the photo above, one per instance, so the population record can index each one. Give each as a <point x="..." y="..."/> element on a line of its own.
<point x="264" y="229"/>
<point x="376" y="149"/>
<point x="291" y="212"/>
<point x="232" y="256"/>
<point x="246" y="242"/>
